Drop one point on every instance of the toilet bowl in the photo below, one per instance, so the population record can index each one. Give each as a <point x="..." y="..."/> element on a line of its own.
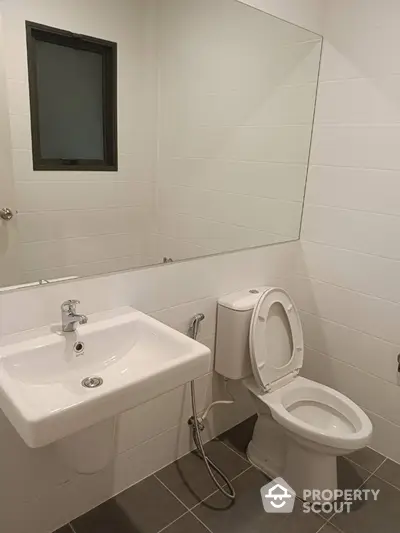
<point x="302" y="426"/>
<point x="319" y="424"/>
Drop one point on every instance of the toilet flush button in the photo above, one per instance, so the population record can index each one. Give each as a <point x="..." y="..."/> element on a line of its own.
<point x="289" y="308"/>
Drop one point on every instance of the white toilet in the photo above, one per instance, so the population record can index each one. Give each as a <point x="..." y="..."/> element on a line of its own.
<point x="302" y="426"/>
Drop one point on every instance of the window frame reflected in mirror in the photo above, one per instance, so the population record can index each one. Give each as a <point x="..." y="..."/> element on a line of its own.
<point x="108" y="50"/>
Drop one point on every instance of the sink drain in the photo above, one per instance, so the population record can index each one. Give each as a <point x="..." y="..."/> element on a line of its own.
<point x="79" y="348"/>
<point x="92" y="383"/>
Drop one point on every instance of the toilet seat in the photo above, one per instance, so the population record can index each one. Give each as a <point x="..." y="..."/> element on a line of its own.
<point x="307" y="409"/>
<point x="275" y="340"/>
<point x="318" y="414"/>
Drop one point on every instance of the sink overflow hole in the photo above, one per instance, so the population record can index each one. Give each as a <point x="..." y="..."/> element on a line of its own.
<point x="79" y="348"/>
<point x="92" y="382"/>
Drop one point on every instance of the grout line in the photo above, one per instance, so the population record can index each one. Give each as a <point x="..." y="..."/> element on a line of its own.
<point x="363" y="483"/>
<point x="361" y="292"/>
<point x="390" y="214"/>
<point x="217" y="490"/>
<point x="322" y="282"/>
<point x="384" y="480"/>
<point x="234" y="451"/>
<point x="327" y="522"/>
<point x="206" y="498"/>
<point x="173" y="522"/>
<point x="333" y="284"/>
<point x="80" y="237"/>
<point x="72" y="527"/>
<point x="330" y="321"/>
<point x="361" y="371"/>
<point x="166" y="212"/>
<point x="173" y="493"/>
<point x="235" y="193"/>
<point x="246" y="161"/>
<point x="243" y="472"/>
<point x="388" y="483"/>
<point x="321" y="528"/>
<point x="348" y="327"/>
<point x="373" y="472"/>
<point x="381" y="464"/>
<point x="350" y="167"/>
<point x="339" y="247"/>
<point x="361" y="466"/>
<point x="201" y="522"/>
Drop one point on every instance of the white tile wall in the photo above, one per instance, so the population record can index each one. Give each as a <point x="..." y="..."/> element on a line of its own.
<point x="231" y="171"/>
<point x="39" y="493"/>
<point x="347" y="277"/>
<point x="56" y="210"/>
<point x="264" y="138"/>
<point x="305" y="13"/>
<point x="8" y="232"/>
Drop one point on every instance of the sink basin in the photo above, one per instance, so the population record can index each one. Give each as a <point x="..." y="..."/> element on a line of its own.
<point x="136" y="358"/>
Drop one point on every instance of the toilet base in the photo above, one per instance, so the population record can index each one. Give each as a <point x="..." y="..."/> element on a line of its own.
<point x="261" y="463"/>
<point x="267" y="448"/>
<point x="306" y="469"/>
<point x="273" y="451"/>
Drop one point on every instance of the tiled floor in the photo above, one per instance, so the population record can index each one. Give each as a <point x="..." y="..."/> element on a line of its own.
<point x="181" y="498"/>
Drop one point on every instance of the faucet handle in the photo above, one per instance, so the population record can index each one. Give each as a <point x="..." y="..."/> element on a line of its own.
<point x="69" y="306"/>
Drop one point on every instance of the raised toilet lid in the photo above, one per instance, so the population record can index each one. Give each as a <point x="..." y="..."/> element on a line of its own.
<point x="276" y="340"/>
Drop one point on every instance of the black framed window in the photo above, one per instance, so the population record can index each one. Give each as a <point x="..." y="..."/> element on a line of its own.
<point x="73" y="98"/>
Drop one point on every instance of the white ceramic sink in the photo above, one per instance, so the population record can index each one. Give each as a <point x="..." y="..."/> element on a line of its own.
<point x="137" y="357"/>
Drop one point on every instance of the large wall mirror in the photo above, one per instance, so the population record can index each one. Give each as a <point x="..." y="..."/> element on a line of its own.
<point x="139" y="132"/>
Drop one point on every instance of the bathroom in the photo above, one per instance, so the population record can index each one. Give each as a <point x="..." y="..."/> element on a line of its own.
<point x="248" y="144"/>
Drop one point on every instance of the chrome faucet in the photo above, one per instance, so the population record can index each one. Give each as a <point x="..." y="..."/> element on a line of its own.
<point x="70" y="318"/>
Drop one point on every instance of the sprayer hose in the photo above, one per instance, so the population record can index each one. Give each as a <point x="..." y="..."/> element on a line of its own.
<point x="227" y="491"/>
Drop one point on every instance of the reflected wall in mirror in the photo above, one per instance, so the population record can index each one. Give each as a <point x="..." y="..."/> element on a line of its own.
<point x="215" y="111"/>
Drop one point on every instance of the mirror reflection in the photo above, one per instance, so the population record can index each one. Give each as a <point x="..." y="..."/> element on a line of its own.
<point x="144" y="132"/>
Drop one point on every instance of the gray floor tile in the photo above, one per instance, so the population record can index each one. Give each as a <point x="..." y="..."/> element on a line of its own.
<point x="367" y="458"/>
<point x="390" y="472"/>
<point x="239" y="436"/>
<point x="350" y="476"/>
<point x="300" y="522"/>
<point x="187" y="523"/>
<point x="144" y="508"/>
<point x="188" y="478"/>
<point x="247" y="514"/>
<point x="373" y="516"/>
<point x="329" y="528"/>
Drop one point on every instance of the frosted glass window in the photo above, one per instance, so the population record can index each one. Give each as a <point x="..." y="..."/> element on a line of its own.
<point x="73" y="100"/>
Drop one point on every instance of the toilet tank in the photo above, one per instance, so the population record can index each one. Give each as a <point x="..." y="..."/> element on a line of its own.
<point x="232" y="358"/>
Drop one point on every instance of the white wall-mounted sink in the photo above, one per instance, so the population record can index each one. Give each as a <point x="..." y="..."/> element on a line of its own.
<point x="137" y="357"/>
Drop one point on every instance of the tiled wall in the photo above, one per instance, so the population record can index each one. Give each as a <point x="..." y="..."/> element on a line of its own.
<point x="81" y="223"/>
<point x="91" y="222"/>
<point x="39" y="493"/>
<point x="348" y="279"/>
<point x="8" y="232"/>
<point x="235" y="117"/>
<point x="305" y="13"/>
